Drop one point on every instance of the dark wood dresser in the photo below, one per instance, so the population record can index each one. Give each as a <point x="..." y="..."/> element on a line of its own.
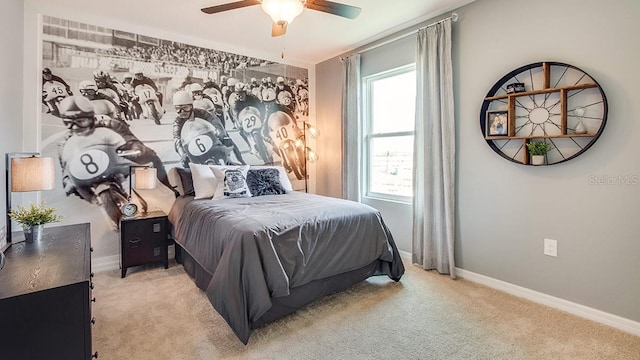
<point x="45" y="297"/>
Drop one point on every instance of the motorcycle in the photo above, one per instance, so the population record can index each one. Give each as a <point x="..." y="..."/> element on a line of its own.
<point x="252" y="125"/>
<point x="218" y="102"/>
<point x="97" y="165"/>
<point x="201" y="143"/>
<point x="52" y="93"/>
<point x="148" y="99"/>
<point x="289" y="142"/>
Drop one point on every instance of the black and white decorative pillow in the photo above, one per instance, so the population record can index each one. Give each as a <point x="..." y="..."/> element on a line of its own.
<point x="232" y="181"/>
<point x="265" y="182"/>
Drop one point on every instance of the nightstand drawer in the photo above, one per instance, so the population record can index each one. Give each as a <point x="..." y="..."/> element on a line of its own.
<point x="143" y="240"/>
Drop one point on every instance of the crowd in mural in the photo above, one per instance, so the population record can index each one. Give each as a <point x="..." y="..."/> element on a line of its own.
<point x="186" y="55"/>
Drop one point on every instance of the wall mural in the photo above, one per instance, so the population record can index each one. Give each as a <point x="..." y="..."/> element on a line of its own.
<point x="113" y="99"/>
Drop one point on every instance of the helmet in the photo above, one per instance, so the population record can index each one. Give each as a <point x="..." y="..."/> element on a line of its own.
<point x="99" y="74"/>
<point x="195" y="87"/>
<point x="254" y="80"/>
<point x="239" y="87"/>
<point x="269" y="80"/>
<point x="87" y="85"/>
<point x="232" y="82"/>
<point x="278" y="119"/>
<point x="280" y="80"/>
<point x="182" y="98"/>
<point x="223" y="80"/>
<point x="75" y="107"/>
<point x="46" y="71"/>
<point x="208" y="79"/>
<point x="127" y="76"/>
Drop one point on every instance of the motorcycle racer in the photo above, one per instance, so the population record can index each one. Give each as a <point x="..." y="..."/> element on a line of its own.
<point x="79" y="117"/>
<point x="222" y="143"/>
<point x="140" y="79"/>
<point x="89" y="90"/>
<point x="47" y="75"/>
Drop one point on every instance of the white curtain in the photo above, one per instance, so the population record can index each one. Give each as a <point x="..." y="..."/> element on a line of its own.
<point x="434" y="152"/>
<point x="351" y="127"/>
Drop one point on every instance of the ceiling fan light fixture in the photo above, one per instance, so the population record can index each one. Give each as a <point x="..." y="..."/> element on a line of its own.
<point x="283" y="10"/>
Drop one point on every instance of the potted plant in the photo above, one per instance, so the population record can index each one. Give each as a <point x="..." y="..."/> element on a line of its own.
<point x="33" y="219"/>
<point x="538" y="149"/>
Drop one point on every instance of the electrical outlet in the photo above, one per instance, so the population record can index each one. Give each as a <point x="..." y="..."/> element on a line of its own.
<point x="551" y="247"/>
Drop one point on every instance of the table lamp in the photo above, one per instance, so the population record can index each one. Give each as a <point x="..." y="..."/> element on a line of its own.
<point x="26" y="172"/>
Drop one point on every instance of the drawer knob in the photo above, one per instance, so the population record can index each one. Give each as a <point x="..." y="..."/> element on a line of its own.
<point x="93" y="321"/>
<point x="93" y="300"/>
<point x="95" y="355"/>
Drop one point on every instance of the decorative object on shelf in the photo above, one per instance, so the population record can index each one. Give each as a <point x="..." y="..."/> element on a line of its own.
<point x="26" y="172"/>
<point x="580" y="128"/>
<point x="146" y="178"/>
<point x="515" y="88"/>
<point x="33" y="219"/>
<point x="538" y="150"/>
<point x="497" y="123"/>
<point x="560" y="104"/>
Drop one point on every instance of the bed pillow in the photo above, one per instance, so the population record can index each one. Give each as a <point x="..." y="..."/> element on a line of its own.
<point x="181" y="181"/>
<point x="232" y="181"/>
<point x="264" y="182"/>
<point x="284" y="178"/>
<point x="204" y="181"/>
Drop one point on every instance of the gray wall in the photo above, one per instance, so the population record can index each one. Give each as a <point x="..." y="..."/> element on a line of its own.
<point x="501" y="235"/>
<point x="11" y="18"/>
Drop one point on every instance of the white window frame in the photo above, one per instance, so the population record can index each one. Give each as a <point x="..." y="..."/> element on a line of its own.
<point x="368" y="136"/>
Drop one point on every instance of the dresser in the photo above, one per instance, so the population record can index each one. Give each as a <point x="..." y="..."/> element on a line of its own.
<point x="45" y="297"/>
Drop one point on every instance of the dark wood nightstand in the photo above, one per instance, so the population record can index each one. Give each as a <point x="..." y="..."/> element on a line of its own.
<point x="144" y="240"/>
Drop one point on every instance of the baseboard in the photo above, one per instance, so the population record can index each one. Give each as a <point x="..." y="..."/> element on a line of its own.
<point x="112" y="262"/>
<point x="586" y="312"/>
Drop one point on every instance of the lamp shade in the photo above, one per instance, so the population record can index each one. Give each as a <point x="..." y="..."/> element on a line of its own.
<point x="32" y="174"/>
<point x="282" y="10"/>
<point x="145" y="178"/>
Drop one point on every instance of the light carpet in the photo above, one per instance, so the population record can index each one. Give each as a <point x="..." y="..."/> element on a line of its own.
<point x="159" y="314"/>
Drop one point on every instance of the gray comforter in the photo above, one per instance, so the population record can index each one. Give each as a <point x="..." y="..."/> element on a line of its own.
<point x="261" y="247"/>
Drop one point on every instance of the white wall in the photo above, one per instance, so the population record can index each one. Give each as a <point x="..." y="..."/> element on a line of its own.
<point x="11" y="18"/>
<point x="501" y="236"/>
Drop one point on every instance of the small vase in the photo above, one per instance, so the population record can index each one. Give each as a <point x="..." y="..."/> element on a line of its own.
<point x="33" y="233"/>
<point x="580" y="128"/>
<point x="537" y="159"/>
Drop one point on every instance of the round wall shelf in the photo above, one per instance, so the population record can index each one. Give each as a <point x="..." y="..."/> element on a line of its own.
<point x="548" y="102"/>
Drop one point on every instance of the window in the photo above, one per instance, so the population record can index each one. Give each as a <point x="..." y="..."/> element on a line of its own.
<point x="389" y="116"/>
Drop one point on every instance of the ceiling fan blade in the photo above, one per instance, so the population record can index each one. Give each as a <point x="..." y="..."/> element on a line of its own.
<point x="229" y="6"/>
<point x="334" y="8"/>
<point x="278" y="29"/>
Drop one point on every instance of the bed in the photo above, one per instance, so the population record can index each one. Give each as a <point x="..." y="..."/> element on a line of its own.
<point x="262" y="257"/>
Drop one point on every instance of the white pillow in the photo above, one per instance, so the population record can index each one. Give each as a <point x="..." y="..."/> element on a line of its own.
<point x="204" y="181"/>
<point x="232" y="181"/>
<point x="284" y="178"/>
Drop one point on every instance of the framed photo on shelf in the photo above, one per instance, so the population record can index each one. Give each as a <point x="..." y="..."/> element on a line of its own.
<point x="497" y="123"/>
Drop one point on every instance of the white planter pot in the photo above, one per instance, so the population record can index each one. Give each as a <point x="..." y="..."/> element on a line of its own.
<point x="537" y="159"/>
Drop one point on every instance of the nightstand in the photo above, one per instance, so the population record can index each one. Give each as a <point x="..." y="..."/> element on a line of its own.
<point x="144" y="240"/>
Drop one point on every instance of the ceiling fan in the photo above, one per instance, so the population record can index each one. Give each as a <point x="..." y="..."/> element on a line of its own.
<point x="282" y="12"/>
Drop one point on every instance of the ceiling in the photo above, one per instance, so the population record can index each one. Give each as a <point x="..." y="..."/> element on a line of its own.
<point x="311" y="38"/>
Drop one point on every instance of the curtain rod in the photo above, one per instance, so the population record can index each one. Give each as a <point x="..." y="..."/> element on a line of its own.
<point x="453" y="17"/>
